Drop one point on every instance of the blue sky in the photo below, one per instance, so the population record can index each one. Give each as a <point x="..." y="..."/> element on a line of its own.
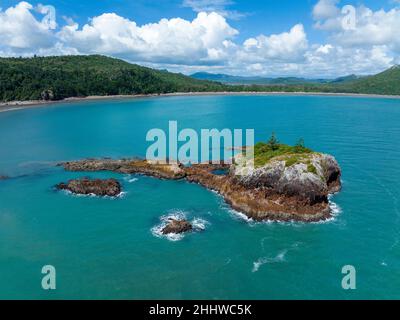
<point x="268" y="38"/>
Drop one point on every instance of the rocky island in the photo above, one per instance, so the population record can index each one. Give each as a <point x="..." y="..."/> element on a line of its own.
<point x="86" y="186"/>
<point x="177" y="226"/>
<point x="284" y="183"/>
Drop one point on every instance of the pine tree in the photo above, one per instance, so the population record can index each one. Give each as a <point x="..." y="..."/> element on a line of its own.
<point x="273" y="142"/>
<point x="299" y="146"/>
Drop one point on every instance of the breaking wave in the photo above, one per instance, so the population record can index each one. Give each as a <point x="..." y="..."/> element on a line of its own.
<point x="130" y="179"/>
<point x="121" y="195"/>
<point x="198" y="225"/>
<point x="268" y="260"/>
<point x="335" y="208"/>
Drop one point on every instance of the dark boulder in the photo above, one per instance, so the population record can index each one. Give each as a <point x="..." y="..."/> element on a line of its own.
<point x="177" y="226"/>
<point x="98" y="187"/>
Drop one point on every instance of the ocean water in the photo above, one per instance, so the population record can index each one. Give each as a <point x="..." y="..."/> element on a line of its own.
<point x="110" y="248"/>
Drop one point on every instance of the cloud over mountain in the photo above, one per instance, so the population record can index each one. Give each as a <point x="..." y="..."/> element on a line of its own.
<point x="209" y="41"/>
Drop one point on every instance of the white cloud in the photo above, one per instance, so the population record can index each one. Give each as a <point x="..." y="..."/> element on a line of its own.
<point x="218" y="6"/>
<point x="20" y="30"/>
<point x="200" y="41"/>
<point x="332" y="60"/>
<point x="325" y="9"/>
<point x="373" y="28"/>
<point x="208" y="41"/>
<point x="288" y="46"/>
<point x="324" y="49"/>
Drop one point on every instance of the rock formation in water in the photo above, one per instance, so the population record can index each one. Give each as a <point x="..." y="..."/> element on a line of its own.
<point x="128" y="166"/>
<point x="177" y="226"/>
<point x="3" y="177"/>
<point x="98" y="187"/>
<point x="286" y="187"/>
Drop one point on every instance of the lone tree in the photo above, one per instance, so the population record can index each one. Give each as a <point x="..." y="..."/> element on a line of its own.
<point x="273" y="142"/>
<point x="300" y="146"/>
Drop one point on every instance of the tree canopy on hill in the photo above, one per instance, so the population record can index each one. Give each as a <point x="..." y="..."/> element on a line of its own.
<point x="56" y="78"/>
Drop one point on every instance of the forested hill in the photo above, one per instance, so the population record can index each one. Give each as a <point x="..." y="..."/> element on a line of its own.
<point x="387" y="83"/>
<point x="55" y="78"/>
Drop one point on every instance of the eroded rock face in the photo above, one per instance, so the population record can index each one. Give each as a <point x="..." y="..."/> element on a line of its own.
<point x="312" y="179"/>
<point x="275" y="191"/>
<point x="98" y="187"/>
<point x="177" y="226"/>
<point x="330" y="170"/>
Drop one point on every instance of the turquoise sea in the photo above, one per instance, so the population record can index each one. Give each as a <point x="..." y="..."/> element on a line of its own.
<point x="108" y="248"/>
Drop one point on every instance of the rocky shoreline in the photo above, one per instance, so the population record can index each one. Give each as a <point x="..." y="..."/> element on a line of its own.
<point x="274" y="191"/>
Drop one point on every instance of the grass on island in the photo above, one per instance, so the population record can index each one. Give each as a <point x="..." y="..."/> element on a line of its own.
<point x="264" y="152"/>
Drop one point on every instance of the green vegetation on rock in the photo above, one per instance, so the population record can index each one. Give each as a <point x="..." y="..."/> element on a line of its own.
<point x="265" y="152"/>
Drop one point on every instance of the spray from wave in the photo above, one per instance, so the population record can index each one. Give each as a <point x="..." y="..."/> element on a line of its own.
<point x="267" y="260"/>
<point x="198" y="225"/>
<point x="121" y="195"/>
<point x="130" y="179"/>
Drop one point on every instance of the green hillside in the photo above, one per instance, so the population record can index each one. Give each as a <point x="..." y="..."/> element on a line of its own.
<point x="55" y="78"/>
<point x="387" y="82"/>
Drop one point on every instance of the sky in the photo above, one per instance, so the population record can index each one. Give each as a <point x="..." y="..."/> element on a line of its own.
<point x="303" y="38"/>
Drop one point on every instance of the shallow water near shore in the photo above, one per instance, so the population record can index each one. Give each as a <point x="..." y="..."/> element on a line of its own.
<point x="107" y="248"/>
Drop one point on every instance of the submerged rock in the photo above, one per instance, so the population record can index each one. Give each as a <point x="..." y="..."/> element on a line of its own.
<point x="98" y="187"/>
<point x="177" y="226"/>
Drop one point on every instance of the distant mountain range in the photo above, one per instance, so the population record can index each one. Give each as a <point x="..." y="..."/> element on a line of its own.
<point x="235" y="80"/>
<point x="56" y="78"/>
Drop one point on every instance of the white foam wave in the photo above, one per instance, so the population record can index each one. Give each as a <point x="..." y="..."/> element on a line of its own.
<point x="335" y="208"/>
<point x="92" y="195"/>
<point x="239" y="215"/>
<point x="130" y="179"/>
<point x="157" y="232"/>
<point x="197" y="223"/>
<point x="267" y="260"/>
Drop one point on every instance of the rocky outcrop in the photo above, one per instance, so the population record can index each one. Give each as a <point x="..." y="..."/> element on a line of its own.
<point x="177" y="226"/>
<point x="98" y="187"/>
<point x="312" y="177"/>
<point x="128" y="166"/>
<point x="3" y="177"/>
<point x="47" y="95"/>
<point x="279" y="190"/>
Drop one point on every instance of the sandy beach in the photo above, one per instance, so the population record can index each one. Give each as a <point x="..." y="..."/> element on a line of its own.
<point x="19" y="105"/>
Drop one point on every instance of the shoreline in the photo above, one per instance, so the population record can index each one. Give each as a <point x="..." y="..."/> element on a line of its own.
<point x="20" y="105"/>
